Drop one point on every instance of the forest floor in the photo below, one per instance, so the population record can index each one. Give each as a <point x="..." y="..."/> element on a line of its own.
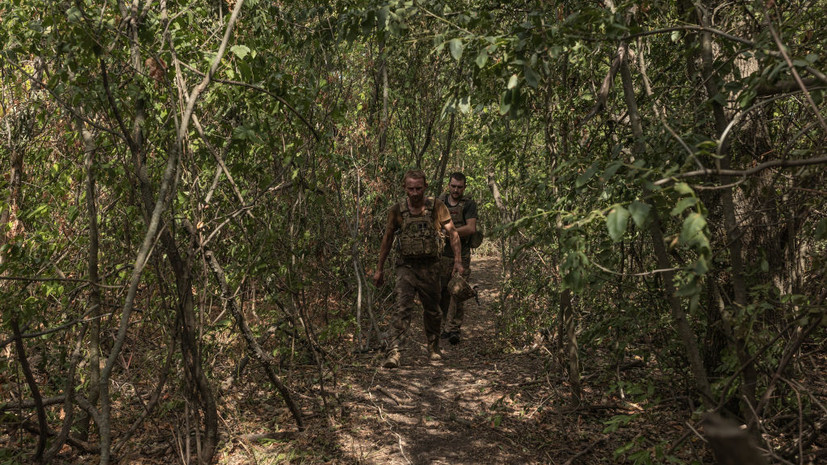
<point x="489" y="402"/>
<point x="485" y="404"/>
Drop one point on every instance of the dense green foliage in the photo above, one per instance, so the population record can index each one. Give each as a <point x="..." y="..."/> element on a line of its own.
<point x="647" y="170"/>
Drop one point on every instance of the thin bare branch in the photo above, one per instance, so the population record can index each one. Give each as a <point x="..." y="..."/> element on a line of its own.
<point x="262" y="90"/>
<point x="749" y="172"/>
<point x="794" y="72"/>
<point x="691" y="28"/>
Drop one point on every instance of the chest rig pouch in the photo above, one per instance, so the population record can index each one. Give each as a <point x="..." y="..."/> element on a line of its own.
<point x="418" y="238"/>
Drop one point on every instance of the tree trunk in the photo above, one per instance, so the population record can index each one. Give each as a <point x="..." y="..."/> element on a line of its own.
<point x="253" y="346"/>
<point x="730" y="444"/>
<point x="92" y="272"/>
<point x="69" y="399"/>
<point x="568" y="322"/>
<point x="733" y="231"/>
<point x="383" y="73"/>
<point x="678" y="315"/>
<point x="439" y="176"/>
<point x="8" y="216"/>
<point x="32" y="383"/>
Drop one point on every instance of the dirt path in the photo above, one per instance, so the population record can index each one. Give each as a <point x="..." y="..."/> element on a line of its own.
<point x="456" y="411"/>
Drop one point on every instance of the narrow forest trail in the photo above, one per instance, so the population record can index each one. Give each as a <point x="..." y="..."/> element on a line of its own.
<point x="457" y="411"/>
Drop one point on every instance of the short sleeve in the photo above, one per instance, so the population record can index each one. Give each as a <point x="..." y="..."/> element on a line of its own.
<point x="442" y="214"/>
<point x="470" y="210"/>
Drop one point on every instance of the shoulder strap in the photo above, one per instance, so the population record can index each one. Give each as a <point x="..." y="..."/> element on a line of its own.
<point x="430" y="205"/>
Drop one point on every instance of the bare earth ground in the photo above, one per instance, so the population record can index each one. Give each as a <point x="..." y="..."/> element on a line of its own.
<point x="449" y="412"/>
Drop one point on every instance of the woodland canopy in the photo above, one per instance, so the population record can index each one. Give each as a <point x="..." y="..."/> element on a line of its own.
<point x="193" y="194"/>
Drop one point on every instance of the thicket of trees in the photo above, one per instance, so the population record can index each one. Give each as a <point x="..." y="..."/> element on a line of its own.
<point x="187" y="183"/>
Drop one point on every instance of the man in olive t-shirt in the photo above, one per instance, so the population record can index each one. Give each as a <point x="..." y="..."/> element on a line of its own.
<point x="464" y="216"/>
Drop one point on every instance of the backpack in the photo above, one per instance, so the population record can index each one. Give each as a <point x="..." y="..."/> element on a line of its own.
<point x="418" y="238"/>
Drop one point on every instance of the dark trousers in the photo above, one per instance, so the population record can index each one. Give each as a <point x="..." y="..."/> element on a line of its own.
<point x="422" y="279"/>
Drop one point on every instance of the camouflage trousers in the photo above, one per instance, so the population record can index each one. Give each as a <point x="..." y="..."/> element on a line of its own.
<point x="452" y="320"/>
<point x="412" y="279"/>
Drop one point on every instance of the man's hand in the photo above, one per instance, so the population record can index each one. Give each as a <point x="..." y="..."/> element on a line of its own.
<point x="458" y="268"/>
<point x="379" y="278"/>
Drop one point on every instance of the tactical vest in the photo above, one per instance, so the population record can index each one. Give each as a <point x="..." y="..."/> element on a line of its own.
<point x="418" y="237"/>
<point x="457" y="211"/>
<point x="458" y="217"/>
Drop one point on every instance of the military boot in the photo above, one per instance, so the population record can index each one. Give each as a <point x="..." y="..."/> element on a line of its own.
<point x="434" y="353"/>
<point x="392" y="360"/>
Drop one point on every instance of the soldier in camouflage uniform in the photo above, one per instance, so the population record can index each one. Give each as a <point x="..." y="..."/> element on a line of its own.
<point x="464" y="216"/>
<point x="417" y="222"/>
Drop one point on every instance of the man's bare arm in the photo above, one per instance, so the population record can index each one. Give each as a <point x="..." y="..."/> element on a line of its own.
<point x="470" y="227"/>
<point x="384" y="251"/>
<point x="455" y="246"/>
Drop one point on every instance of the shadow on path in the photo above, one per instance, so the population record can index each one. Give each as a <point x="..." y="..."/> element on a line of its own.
<point x="456" y="411"/>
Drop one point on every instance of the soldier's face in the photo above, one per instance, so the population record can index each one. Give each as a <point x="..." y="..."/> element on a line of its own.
<point x="415" y="189"/>
<point x="457" y="188"/>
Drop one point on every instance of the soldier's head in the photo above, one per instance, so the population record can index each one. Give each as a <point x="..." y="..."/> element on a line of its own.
<point x="415" y="185"/>
<point x="456" y="185"/>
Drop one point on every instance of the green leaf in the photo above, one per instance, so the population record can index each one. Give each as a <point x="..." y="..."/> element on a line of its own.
<point x="482" y="58"/>
<point x="614" y="423"/>
<point x="688" y="289"/>
<point x="683" y="189"/>
<point x="720" y="99"/>
<point x="74" y="15"/>
<point x="693" y="304"/>
<point x="243" y="133"/>
<point x="676" y="36"/>
<point x="512" y="82"/>
<point x="585" y="177"/>
<point x="531" y="76"/>
<point x="692" y="226"/>
<point x="455" y="45"/>
<point x="747" y="98"/>
<point x="616" y="221"/>
<point x="640" y="212"/>
<point x="245" y="70"/>
<point x="505" y="102"/>
<point x="382" y="20"/>
<point x="701" y="266"/>
<point x="465" y="104"/>
<point x="611" y="169"/>
<point x="683" y="204"/>
<point x="555" y="50"/>
<point x="39" y="210"/>
<point x="240" y="51"/>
